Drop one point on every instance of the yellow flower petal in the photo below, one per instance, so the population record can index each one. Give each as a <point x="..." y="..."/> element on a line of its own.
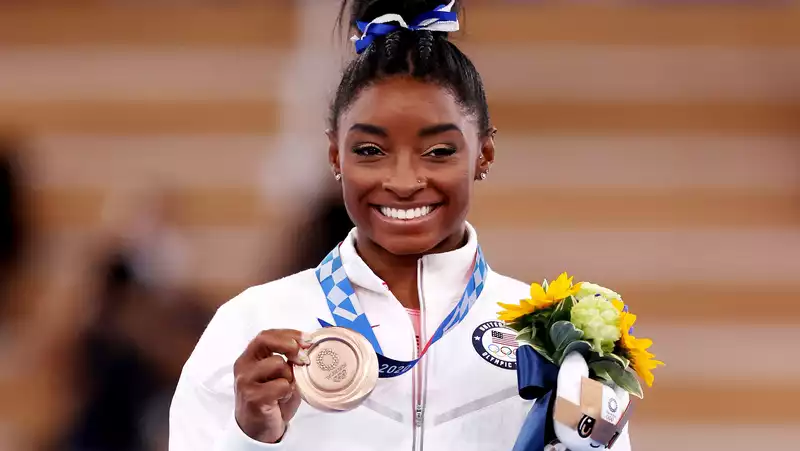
<point x="559" y="288"/>
<point x="647" y="375"/>
<point x="540" y="298"/>
<point x="642" y="361"/>
<point x="575" y="289"/>
<point x="537" y="292"/>
<point x="644" y="369"/>
<point x="513" y="311"/>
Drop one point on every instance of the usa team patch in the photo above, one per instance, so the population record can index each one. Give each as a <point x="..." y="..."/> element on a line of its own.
<point x="497" y="344"/>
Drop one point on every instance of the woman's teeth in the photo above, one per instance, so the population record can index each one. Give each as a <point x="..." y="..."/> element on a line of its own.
<point x="413" y="213"/>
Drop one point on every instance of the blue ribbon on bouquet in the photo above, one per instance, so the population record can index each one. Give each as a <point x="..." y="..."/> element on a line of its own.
<point x="536" y="380"/>
<point x="442" y="18"/>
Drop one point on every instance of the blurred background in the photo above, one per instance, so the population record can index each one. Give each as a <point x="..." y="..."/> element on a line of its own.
<point x="157" y="157"/>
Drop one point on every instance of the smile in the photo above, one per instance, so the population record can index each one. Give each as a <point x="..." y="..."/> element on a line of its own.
<point x="406" y="215"/>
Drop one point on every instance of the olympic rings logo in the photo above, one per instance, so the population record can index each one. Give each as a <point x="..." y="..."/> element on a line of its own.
<point x="504" y="351"/>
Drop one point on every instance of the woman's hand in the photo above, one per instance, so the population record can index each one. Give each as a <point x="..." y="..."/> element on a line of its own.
<point x="266" y="397"/>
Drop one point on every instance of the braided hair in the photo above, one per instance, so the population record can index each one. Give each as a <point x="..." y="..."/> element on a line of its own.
<point x="427" y="56"/>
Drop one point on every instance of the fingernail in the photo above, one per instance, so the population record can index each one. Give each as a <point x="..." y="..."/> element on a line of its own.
<point x="306" y="339"/>
<point x="302" y="355"/>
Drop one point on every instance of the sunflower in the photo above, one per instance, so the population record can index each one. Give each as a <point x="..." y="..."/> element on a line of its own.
<point x="642" y="361"/>
<point x="541" y="298"/>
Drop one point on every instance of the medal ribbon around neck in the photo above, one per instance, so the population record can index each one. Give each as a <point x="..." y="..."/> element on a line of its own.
<point x="347" y="312"/>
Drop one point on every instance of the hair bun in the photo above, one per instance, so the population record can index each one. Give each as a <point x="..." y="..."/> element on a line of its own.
<point x="368" y="10"/>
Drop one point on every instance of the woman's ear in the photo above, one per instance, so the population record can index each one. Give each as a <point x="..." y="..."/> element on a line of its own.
<point x="485" y="155"/>
<point x="333" y="153"/>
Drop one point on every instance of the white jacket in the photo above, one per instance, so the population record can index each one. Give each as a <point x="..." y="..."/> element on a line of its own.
<point x="469" y="401"/>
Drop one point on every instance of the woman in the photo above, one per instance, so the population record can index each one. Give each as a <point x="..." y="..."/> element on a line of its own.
<point x="409" y="135"/>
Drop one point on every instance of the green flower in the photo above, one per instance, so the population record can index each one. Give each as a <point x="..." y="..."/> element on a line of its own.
<point x="590" y="289"/>
<point x="599" y="320"/>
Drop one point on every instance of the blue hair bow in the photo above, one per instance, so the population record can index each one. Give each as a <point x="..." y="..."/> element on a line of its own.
<point x="442" y="18"/>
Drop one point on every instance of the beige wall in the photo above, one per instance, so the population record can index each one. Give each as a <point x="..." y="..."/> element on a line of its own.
<point x="656" y="149"/>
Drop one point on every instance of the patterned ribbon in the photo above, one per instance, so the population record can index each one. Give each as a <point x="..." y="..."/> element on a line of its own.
<point x="347" y="312"/>
<point x="442" y="18"/>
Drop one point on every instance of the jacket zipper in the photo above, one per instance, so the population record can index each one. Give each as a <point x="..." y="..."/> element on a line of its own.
<point x="418" y="373"/>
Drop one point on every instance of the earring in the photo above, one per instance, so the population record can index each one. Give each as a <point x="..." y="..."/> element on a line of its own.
<point x="484" y="175"/>
<point x="337" y="176"/>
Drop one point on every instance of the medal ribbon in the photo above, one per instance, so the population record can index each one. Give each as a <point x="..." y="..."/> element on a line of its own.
<point x="347" y="312"/>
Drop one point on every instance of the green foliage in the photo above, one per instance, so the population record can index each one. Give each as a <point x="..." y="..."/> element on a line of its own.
<point x="624" y="378"/>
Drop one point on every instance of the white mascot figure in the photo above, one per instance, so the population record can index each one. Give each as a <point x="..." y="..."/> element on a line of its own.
<point x="588" y="415"/>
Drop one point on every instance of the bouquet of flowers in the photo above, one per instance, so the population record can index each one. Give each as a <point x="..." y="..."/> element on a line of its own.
<point x="561" y="318"/>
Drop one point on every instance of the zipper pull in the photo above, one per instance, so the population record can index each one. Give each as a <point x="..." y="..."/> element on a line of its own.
<point x="418" y="417"/>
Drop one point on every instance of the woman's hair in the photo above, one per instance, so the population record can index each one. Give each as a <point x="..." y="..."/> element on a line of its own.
<point x="13" y="224"/>
<point x="424" y="55"/>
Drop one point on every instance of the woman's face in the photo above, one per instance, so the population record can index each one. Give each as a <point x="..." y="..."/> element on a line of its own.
<point x="409" y="156"/>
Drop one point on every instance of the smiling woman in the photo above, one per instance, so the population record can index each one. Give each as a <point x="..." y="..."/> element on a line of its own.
<point x="408" y="156"/>
<point x="409" y="136"/>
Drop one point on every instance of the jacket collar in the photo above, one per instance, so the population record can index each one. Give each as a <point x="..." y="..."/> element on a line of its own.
<point x="444" y="275"/>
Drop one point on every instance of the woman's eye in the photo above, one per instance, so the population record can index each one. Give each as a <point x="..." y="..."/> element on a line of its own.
<point x="443" y="151"/>
<point x="367" y="150"/>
